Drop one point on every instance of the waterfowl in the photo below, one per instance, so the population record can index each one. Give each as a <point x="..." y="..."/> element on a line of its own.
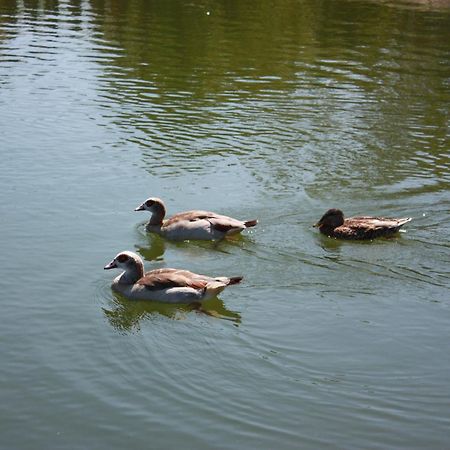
<point x="196" y="224"/>
<point x="164" y="285"/>
<point x="333" y="224"/>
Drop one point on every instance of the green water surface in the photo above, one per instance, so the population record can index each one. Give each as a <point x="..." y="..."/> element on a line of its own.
<point x="276" y="110"/>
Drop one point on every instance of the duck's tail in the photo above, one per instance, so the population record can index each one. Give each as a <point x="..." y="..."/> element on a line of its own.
<point x="251" y="223"/>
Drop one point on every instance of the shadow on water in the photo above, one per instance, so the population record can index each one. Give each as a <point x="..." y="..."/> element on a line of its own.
<point x="126" y="315"/>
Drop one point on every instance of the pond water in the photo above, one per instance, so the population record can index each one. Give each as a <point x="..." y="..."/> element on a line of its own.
<point x="256" y="109"/>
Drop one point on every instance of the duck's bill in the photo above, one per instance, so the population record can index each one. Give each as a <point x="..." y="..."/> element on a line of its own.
<point x="111" y="265"/>
<point x="139" y="208"/>
<point x="316" y="225"/>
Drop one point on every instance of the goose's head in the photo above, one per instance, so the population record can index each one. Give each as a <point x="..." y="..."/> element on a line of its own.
<point x="125" y="261"/>
<point x="131" y="264"/>
<point x="152" y="204"/>
<point x="332" y="219"/>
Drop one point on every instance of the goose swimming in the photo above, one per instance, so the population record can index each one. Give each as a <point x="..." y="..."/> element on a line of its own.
<point x="195" y="224"/>
<point x="164" y="285"/>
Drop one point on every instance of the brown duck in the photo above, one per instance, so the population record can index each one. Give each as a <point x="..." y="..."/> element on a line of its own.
<point x="333" y="224"/>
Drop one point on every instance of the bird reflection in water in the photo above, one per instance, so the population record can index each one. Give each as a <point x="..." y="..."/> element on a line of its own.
<point x="334" y="246"/>
<point x="126" y="315"/>
<point x="155" y="246"/>
<point x="154" y="249"/>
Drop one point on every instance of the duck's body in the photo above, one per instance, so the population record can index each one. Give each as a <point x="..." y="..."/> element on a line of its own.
<point x="195" y="224"/>
<point x="334" y="225"/>
<point x="164" y="285"/>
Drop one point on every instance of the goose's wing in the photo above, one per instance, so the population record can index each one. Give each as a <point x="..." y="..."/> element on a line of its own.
<point x="189" y="216"/>
<point x="217" y="221"/>
<point x="168" y="278"/>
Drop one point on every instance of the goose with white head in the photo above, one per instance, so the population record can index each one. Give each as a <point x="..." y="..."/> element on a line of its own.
<point x="164" y="285"/>
<point x="195" y="224"/>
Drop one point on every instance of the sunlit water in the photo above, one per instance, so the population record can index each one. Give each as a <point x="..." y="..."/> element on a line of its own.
<point x="268" y="110"/>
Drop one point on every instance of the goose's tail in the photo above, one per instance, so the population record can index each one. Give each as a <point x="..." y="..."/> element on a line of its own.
<point x="402" y="222"/>
<point x="251" y="223"/>
<point x="228" y="281"/>
<point x="235" y="280"/>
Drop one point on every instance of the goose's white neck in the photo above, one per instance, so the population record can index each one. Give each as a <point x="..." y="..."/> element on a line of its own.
<point x="131" y="274"/>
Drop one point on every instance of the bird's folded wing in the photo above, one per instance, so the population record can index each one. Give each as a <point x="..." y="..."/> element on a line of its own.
<point x="168" y="278"/>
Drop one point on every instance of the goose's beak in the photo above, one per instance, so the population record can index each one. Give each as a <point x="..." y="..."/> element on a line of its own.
<point x="111" y="265"/>
<point x="139" y="208"/>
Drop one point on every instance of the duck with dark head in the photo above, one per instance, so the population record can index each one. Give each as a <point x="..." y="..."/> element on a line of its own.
<point x="333" y="224"/>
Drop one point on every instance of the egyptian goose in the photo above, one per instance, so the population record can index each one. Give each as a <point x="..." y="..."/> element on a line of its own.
<point x="164" y="285"/>
<point x="198" y="225"/>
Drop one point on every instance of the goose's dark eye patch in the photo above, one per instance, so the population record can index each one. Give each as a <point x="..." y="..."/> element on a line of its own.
<point x="122" y="258"/>
<point x="149" y="203"/>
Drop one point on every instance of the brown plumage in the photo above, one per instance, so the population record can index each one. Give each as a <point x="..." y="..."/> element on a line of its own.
<point x="165" y="278"/>
<point x="333" y="224"/>
<point x="190" y="216"/>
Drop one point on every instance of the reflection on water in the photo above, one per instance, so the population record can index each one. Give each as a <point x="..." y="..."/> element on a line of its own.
<point x="426" y="5"/>
<point x="126" y="315"/>
<point x="333" y="94"/>
<point x="152" y="246"/>
<point x="333" y="245"/>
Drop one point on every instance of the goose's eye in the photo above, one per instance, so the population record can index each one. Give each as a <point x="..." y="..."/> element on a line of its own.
<point x="149" y="203"/>
<point x="122" y="258"/>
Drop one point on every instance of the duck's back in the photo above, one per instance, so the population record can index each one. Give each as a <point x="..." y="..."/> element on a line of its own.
<point x="366" y="227"/>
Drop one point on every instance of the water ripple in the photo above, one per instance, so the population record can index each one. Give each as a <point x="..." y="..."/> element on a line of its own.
<point x="277" y="112"/>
